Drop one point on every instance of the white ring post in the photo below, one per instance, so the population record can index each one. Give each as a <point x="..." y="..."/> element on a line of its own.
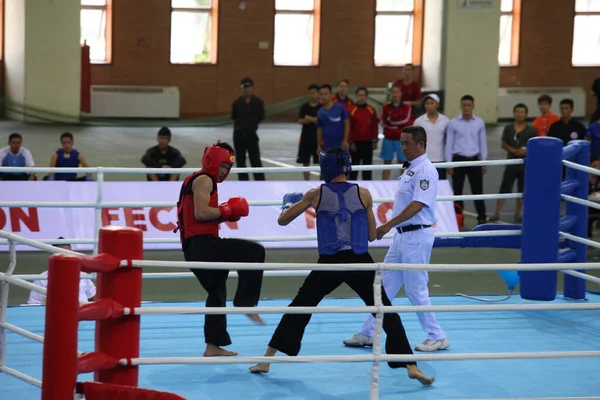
<point x="377" y="298"/>
<point x="4" y="301"/>
<point x="98" y="211"/>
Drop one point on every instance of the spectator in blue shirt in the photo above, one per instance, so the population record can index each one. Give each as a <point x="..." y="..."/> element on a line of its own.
<point x="593" y="136"/>
<point x="333" y="122"/>
<point x="16" y="156"/>
<point x="67" y="157"/>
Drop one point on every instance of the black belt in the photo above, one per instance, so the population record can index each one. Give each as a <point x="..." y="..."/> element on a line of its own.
<point x="410" y="228"/>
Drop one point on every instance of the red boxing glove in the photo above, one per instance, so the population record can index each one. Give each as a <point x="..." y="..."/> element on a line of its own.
<point x="234" y="208"/>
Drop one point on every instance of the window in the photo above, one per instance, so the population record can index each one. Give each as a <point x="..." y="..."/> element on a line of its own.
<point x="194" y="27"/>
<point x="586" y="34"/>
<point x="96" y="29"/>
<point x="510" y="23"/>
<point x="398" y="32"/>
<point x="297" y="29"/>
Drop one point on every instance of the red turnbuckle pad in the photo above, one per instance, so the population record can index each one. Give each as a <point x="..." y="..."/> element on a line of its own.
<point x="100" y="263"/>
<point x="96" y="361"/>
<point x="101" y="309"/>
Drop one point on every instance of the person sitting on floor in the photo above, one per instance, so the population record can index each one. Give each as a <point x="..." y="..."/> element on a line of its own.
<point x="87" y="289"/>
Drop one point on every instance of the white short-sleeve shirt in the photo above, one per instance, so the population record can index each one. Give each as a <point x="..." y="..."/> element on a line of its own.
<point x="436" y="135"/>
<point x="22" y="151"/>
<point x="87" y="290"/>
<point x="419" y="182"/>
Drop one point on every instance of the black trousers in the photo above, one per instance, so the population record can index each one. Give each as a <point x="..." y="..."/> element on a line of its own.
<point x="363" y="155"/>
<point x="441" y="172"/>
<point x="510" y="176"/>
<point x="214" y="249"/>
<point x="247" y="141"/>
<point x="14" y="176"/>
<point x="475" y="176"/>
<point x="287" y="337"/>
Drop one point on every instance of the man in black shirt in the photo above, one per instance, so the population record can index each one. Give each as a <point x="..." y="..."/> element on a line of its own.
<point x="567" y="128"/>
<point x="163" y="156"/>
<point x="514" y="141"/>
<point x="307" y="148"/>
<point x="247" y="112"/>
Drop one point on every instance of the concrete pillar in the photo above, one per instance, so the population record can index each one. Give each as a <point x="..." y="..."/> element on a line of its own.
<point x="470" y="45"/>
<point x="42" y="60"/>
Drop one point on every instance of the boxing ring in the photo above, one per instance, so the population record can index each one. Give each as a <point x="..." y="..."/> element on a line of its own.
<point x="550" y="341"/>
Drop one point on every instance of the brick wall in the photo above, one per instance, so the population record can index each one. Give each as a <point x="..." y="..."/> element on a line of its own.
<point x="545" y="50"/>
<point x="141" y="52"/>
<point x="346" y="51"/>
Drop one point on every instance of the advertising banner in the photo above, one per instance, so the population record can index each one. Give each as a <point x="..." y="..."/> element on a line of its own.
<point x="158" y="223"/>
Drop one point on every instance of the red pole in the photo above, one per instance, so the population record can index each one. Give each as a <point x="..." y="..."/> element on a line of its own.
<point x="60" y="362"/>
<point x="120" y="337"/>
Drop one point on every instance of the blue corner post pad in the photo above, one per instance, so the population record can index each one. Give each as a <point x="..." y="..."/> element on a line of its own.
<point x="541" y="214"/>
<point x="574" y="287"/>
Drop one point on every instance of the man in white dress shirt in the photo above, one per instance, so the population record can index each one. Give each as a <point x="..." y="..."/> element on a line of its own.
<point x="435" y="124"/>
<point x="413" y="216"/>
<point x="87" y="289"/>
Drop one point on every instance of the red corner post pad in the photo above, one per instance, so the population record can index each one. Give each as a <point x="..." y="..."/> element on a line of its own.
<point x="103" y="391"/>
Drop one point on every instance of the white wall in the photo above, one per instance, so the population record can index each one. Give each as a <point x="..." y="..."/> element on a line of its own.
<point x="470" y="60"/>
<point x="14" y="54"/>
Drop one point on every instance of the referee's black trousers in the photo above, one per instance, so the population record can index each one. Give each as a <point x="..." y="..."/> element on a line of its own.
<point x="214" y="281"/>
<point x="475" y="175"/>
<point x="288" y="335"/>
<point x="363" y="155"/>
<point x="247" y="141"/>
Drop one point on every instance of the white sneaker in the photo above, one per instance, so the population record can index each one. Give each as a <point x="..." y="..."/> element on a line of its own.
<point x="430" y="345"/>
<point x="359" y="340"/>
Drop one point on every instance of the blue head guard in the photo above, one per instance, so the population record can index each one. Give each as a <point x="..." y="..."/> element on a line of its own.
<point x="333" y="164"/>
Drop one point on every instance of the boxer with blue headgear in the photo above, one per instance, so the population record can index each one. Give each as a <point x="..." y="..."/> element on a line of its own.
<point x="335" y="163"/>
<point x="345" y="225"/>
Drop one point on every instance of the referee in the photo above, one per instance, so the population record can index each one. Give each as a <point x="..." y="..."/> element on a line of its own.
<point x="247" y="112"/>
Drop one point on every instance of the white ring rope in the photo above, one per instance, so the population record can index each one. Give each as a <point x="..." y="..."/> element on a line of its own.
<point x="298" y="238"/>
<point x="144" y="171"/>
<point x="361" y="267"/>
<point x="19" y="375"/>
<point x="361" y="358"/>
<point x="588" y="203"/>
<point x="580" y="167"/>
<point x="257" y="203"/>
<point x="578" y="239"/>
<point x="356" y="309"/>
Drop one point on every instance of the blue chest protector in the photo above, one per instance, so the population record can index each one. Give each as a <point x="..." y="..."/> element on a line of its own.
<point x="341" y="220"/>
<point x="12" y="160"/>
<point x="64" y="160"/>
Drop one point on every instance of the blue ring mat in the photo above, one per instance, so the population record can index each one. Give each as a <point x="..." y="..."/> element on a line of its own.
<point x="468" y="332"/>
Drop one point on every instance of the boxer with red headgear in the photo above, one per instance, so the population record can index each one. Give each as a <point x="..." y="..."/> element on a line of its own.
<point x="199" y="215"/>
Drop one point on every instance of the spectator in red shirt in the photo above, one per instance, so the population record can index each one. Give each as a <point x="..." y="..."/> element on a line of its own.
<point x="395" y="115"/>
<point x="364" y="126"/>
<point x="411" y="90"/>
<point x="342" y="95"/>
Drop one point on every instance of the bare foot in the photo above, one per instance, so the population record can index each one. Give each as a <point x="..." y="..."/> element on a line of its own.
<point x="262" y="368"/>
<point x="256" y="318"/>
<point x="416" y="373"/>
<point x="215" y="351"/>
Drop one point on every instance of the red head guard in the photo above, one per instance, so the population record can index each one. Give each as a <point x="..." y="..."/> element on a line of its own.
<point x="213" y="157"/>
